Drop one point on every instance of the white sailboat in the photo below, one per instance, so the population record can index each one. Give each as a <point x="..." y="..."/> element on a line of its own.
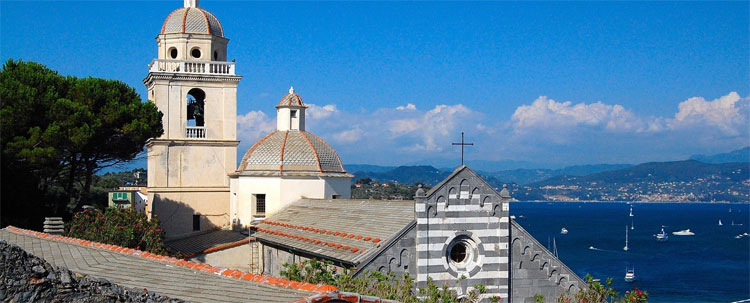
<point x="632" y="226"/>
<point x="626" y="239"/>
<point x="631" y="210"/>
<point x="720" y="222"/>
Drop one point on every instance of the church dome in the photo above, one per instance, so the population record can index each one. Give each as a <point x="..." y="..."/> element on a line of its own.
<point x="192" y="20"/>
<point x="293" y="153"/>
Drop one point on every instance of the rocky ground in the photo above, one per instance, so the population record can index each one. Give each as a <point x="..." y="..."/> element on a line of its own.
<point x="27" y="278"/>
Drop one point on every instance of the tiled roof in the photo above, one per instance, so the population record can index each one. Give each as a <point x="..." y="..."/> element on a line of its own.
<point x="206" y="242"/>
<point x="192" y="20"/>
<point x="291" y="99"/>
<point x="345" y="230"/>
<point x="291" y="152"/>
<point x="279" y="285"/>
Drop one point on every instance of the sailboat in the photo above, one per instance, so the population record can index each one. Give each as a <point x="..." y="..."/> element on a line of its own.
<point x="631" y="210"/>
<point x="554" y="247"/>
<point x="720" y="222"/>
<point x="632" y="226"/>
<point x="626" y="239"/>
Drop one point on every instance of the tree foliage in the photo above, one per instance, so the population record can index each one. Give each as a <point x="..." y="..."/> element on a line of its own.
<point x="57" y="131"/>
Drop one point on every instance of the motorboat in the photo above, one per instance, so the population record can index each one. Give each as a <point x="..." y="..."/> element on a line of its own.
<point x="564" y="231"/>
<point x="685" y="232"/>
<point x="630" y="275"/>
<point x="662" y="236"/>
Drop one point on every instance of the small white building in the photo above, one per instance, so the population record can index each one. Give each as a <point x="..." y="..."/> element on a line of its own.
<point x="284" y="166"/>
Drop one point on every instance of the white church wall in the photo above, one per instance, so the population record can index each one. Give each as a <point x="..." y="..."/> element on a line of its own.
<point x="246" y="187"/>
<point x="338" y="186"/>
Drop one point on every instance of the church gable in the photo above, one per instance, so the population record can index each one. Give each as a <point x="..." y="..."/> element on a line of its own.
<point x="463" y="231"/>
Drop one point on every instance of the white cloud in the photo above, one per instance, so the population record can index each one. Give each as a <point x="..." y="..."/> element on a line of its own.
<point x="254" y="125"/>
<point x="407" y="107"/>
<point x="432" y="127"/>
<point x="321" y="112"/>
<point x="348" y="136"/>
<point x="545" y="113"/>
<point x="728" y="113"/>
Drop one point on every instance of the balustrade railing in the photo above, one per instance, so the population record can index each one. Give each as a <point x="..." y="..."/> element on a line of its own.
<point x="192" y="67"/>
<point x="195" y="132"/>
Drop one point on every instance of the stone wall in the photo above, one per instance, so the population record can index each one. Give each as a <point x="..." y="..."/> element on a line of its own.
<point x="27" y="278"/>
<point x="398" y="257"/>
<point x="535" y="270"/>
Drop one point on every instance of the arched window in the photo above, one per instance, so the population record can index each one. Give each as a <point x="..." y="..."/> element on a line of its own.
<point x="196" y="107"/>
<point x="464" y="189"/>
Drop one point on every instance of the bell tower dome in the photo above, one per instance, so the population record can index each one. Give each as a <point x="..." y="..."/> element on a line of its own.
<point x="195" y="88"/>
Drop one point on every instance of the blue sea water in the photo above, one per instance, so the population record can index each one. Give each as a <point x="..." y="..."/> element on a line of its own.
<point x="712" y="266"/>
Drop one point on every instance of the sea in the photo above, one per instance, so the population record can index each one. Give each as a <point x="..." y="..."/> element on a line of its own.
<point x="711" y="266"/>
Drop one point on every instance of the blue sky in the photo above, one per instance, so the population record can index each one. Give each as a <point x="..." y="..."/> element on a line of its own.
<point x="396" y="82"/>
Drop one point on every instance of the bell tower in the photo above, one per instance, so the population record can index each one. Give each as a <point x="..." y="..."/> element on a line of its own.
<point x="195" y="88"/>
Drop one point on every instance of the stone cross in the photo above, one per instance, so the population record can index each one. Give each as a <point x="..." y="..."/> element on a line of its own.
<point x="462" y="146"/>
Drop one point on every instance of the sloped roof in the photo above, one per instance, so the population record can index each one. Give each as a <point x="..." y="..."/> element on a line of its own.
<point x="197" y="244"/>
<point x="345" y="230"/>
<point x="291" y="99"/>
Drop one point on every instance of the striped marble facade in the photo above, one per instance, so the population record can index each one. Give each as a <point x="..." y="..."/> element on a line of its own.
<point x="464" y="210"/>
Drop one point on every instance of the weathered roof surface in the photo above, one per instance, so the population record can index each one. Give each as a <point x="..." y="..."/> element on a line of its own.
<point x="293" y="153"/>
<point x="197" y="244"/>
<point x="291" y="99"/>
<point x="192" y="20"/>
<point x="169" y="276"/>
<point x="345" y="230"/>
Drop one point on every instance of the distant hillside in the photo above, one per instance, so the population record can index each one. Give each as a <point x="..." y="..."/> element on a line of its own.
<point x="526" y="176"/>
<point x="405" y="175"/>
<point x="367" y="168"/>
<point x="413" y="174"/>
<point x="688" y="180"/>
<point x="740" y="155"/>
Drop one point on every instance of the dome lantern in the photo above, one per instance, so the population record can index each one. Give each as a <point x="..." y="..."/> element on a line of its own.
<point x="290" y="112"/>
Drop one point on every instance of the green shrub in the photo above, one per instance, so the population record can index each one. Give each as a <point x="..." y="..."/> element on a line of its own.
<point x="118" y="226"/>
<point x="374" y="283"/>
<point x="603" y="293"/>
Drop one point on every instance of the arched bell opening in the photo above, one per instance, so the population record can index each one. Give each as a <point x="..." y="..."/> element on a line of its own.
<point x="196" y="107"/>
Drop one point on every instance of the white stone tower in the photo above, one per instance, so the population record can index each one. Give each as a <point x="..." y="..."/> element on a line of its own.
<point x="195" y="88"/>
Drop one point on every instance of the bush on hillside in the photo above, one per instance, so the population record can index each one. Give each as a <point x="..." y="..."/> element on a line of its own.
<point x="118" y="226"/>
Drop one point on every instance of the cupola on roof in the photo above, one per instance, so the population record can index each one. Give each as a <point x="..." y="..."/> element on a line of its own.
<point x="290" y="150"/>
<point x="291" y="99"/>
<point x="193" y="20"/>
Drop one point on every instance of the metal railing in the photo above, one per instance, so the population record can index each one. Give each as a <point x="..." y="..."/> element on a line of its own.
<point x="192" y="67"/>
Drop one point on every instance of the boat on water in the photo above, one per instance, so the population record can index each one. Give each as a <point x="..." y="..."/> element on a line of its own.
<point x="630" y="275"/>
<point x="631" y="210"/>
<point x="592" y="247"/>
<point x="720" y="222"/>
<point x="662" y="236"/>
<point x="685" y="232"/>
<point x="626" y="239"/>
<point x="632" y="225"/>
<point x="564" y="231"/>
<point x="739" y="224"/>
<point x="740" y="236"/>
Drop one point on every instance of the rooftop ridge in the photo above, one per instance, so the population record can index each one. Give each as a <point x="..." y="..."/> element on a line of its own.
<point x="236" y="274"/>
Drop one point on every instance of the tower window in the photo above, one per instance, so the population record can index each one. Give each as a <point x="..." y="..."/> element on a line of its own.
<point x="216" y="56"/>
<point x="196" y="222"/>
<point x="196" y="107"/>
<point x="173" y="53"/>
<point x="196" y="53"/>
<point x="294" y="114"/>
<point x="260" y="204"/>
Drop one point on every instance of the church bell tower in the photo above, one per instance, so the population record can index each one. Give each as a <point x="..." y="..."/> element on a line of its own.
<point x="195" y="88"/>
